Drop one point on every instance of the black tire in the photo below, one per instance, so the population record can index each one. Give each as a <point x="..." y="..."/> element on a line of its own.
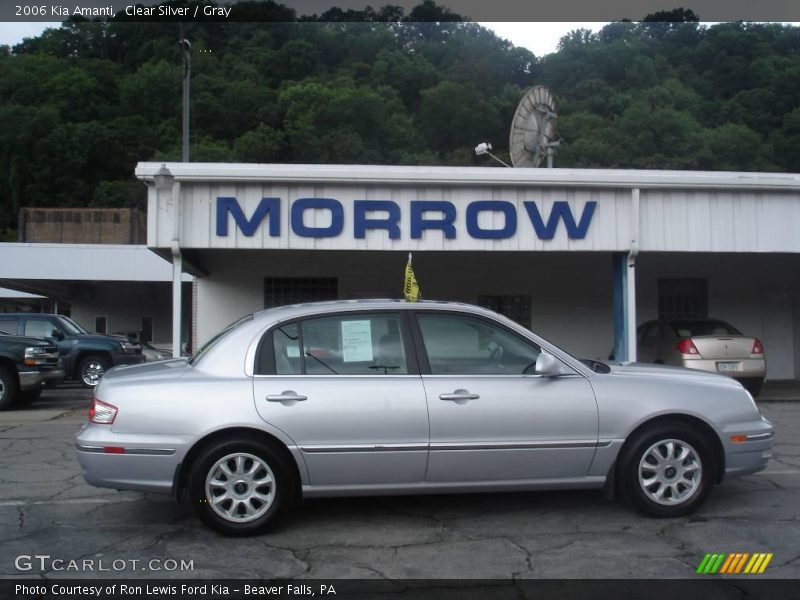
<point x="282" y="491"/>
<point x="25" y="398"/>
<point x="641" y="496"/>
<point x="89" y="366"/>
<point x="9" y="388"/>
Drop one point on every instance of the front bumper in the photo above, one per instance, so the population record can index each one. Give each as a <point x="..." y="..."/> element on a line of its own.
<point x="147" y="463"/>
<point x="752" y="455"/>
<point x="30" y="381"/>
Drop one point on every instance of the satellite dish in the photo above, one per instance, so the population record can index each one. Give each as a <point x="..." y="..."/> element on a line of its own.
<point x="533" y="129"/>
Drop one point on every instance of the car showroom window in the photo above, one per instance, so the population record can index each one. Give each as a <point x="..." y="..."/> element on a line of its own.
<point x="458" y="345"/>
<point x="361" y="344"/>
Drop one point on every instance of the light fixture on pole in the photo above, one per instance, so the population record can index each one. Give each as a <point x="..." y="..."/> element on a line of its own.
<point x="163" y="178"/>
<point x="484" y="148"/>
<point x="186" y="50"/>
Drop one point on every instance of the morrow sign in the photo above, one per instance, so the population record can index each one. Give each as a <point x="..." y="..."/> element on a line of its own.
<point x="386" y="215"/>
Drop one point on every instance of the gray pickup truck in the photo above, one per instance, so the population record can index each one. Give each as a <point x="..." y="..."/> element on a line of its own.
<point x="86" y="356"/>
<point x="27" y="364"/>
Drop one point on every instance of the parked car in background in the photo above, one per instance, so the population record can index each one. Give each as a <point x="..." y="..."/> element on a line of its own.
<point x="27" y="364"/>
<point x="364" y="397"/>
<point x="86" y="356"/>
<point x="704" y="344"/>
<point x="153" y="354"/>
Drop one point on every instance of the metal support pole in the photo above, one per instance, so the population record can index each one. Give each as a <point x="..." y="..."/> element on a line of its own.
<point x="177" y="306"/>
<point x="630" y="288"/>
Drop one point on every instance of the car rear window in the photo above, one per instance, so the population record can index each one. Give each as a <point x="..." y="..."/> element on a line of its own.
<point x="686" y="329"/>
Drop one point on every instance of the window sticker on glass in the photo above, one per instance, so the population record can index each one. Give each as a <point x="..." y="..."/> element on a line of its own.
<point x="356" y="341"/>
<point x="292" y="351"/>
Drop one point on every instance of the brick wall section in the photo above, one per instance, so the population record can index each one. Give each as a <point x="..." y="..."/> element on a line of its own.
<point x="82" y="225"/>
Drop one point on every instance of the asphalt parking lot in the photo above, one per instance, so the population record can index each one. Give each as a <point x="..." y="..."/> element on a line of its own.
<point x="47" y="509"/>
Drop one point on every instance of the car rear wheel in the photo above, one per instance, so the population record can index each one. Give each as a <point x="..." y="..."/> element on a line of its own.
<point x="8" y="388"/>
<point x="667" y="470"/>
<point x="241" y="487"/>
<point x="91" y="370"/>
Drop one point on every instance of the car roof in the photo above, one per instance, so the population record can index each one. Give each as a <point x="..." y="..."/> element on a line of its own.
<point x="280" y="313"/>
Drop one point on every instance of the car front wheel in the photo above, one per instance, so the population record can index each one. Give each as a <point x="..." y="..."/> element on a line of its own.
<point x="8" y="388"/>
<point x="667" y="470"/>
<point x="241" y="487"/>
<point x="91" y="370"/>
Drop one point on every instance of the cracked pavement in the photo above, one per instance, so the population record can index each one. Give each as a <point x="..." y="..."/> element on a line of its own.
<point x="46" y="508"/>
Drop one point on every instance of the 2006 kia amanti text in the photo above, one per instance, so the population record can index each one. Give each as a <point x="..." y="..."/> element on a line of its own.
<point x="374" y="397"/>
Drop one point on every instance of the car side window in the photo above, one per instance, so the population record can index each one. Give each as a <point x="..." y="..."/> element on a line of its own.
<point x="461" y="345"/>
<point x="286" y="346"/>
<point x="352" y="344"/>
<point x="39" y="328"/>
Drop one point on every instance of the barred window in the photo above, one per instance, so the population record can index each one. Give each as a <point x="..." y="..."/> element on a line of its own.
<point x="516" y="308"/>
<point x="279" y="291"/>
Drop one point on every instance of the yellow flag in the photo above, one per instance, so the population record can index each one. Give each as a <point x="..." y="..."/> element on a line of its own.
<point x="410" y="286"/>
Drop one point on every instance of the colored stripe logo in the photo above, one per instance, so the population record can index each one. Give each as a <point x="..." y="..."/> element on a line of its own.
<point x="734" y="563"/>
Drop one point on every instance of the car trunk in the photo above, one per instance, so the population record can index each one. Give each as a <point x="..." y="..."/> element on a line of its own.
<point x="729" y="347"/>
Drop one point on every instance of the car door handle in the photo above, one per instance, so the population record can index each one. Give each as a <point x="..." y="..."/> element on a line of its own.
<point x="287" y="396"/>
<point x="459" y="395"/>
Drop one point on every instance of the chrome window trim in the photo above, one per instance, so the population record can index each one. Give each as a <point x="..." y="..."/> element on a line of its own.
<point x="440" y="446"/>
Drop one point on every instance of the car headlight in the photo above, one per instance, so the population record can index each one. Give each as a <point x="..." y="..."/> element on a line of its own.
<point x="35" y="356"/>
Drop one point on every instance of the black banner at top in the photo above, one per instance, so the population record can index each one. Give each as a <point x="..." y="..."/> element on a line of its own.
<point x="473" y="10"/>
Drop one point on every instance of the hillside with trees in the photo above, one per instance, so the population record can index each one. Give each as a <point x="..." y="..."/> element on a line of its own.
<point x="82" y="104"/>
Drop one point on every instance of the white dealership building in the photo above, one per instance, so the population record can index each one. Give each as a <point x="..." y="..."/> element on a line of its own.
<point x="579" y="256"/>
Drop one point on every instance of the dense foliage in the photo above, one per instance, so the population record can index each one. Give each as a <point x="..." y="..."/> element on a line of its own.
<point x="81" y="104"/>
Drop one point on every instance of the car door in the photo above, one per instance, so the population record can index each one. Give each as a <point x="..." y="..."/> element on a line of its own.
<point x="347" y="390"/>
<point x="491" y="417"/>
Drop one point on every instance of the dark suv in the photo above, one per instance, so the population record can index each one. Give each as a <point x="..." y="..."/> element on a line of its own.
<point x="86" y="356"/>
<point x="26" y="366"/>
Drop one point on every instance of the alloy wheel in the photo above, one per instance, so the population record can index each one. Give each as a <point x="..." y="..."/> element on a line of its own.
<point x="93" y="372"/>
<point x="240" y="487"/>
<point x="670" y="472"/>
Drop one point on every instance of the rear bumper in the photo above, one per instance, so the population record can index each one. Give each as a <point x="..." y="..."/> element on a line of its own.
<point x="30" y="381"/>
<point x="745" y="368"/>
<point x="147" y="464"/>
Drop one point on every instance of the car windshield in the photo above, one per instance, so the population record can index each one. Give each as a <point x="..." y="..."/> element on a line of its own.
<point x="70" y="326"/>
<point x="696" y="328"/>
<point x="213" y="341"/>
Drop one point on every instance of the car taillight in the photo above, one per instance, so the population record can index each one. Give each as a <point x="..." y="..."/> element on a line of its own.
<point x="757" y="347"/>
<point x="686" y="346"/>
<point x="102" y="412"/>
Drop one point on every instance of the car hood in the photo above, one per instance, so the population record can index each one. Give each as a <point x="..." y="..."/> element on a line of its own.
<point x="670" y="373"/>
<point x="25" y="339"/>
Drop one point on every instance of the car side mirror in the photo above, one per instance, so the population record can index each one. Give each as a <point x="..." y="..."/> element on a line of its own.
<point x="548" y="365"/>
<point x="57" y="334"/>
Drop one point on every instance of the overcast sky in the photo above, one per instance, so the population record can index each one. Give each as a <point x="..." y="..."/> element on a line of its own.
<point x="539" y="38"/>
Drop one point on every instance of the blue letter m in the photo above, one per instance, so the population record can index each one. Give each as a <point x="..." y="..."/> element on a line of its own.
<point x="561" y="210"/>
<point x="267" y="206"/>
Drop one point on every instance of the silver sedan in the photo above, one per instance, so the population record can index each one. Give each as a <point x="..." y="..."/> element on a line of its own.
<point x="376" y="397"/>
